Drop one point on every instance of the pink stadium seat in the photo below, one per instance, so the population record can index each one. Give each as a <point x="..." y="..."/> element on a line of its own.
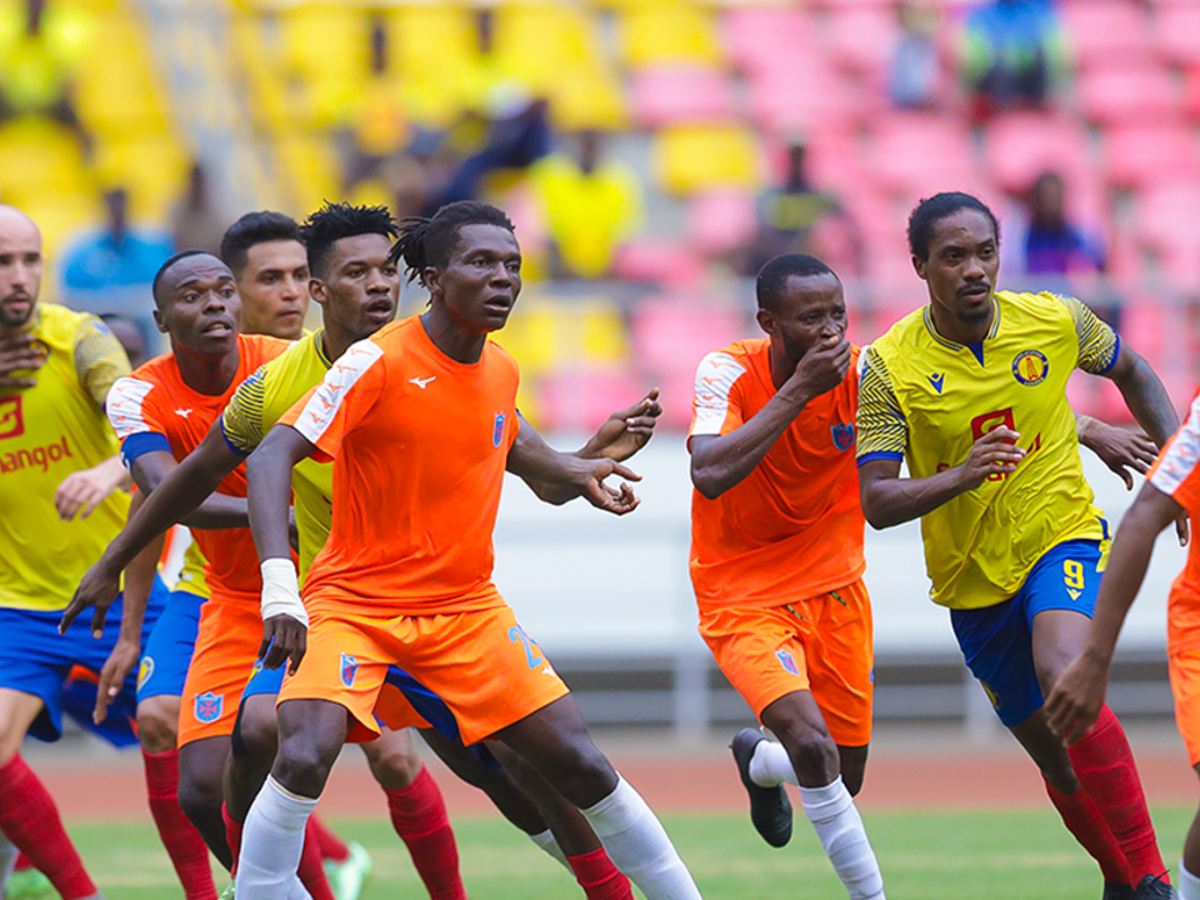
<point x="862" y="37"/>
<point x="1139" y="155"/>
<point x="581" y="400"/>
<point x="916" y="154"/>
<point x="672" y="334"/>
<point x="720" y="221"/>
<point x="1019" y="146"/>
<point x="805" y="94"/>
<point x="671" y="95"/>
<point x="1166" y="215"/>
<point x="1121" y="94"/>
<point x="1178" y="27"/>
<point x="1104" y="31"/>
<point x="662" y="261"/>
<point x="757" y="36"/>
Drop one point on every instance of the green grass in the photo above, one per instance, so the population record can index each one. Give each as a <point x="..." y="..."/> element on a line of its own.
<point x="1009" y="855"/>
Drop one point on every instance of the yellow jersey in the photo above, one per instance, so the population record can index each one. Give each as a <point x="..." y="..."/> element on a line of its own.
<point x="46" y="433"/>
<point x="259" y="403"/>
<point x="927" y="400"/>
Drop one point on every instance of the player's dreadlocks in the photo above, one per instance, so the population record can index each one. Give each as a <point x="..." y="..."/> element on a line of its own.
<point x="429" y="242"/>
<point x="335" y="221"/>
<point x="933" y="209"/>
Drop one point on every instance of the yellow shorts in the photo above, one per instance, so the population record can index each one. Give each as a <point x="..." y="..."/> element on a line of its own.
<point x="823" y="645"/>
<point x="480" y="664"/>
<point x="231" y="631"/>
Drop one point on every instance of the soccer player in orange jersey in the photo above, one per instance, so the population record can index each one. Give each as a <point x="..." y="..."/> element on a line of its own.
<point x="420" y="420"/>
<point x="777" y="558"/>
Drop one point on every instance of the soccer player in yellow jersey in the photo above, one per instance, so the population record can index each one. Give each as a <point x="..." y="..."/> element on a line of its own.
<point x="970" y="390"/>
<point x="56" y="367"/>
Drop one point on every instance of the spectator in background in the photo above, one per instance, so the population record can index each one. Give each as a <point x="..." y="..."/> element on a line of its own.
<point x="196" y="221"/>
<point x="916" y="67"/>
<point x="379" y="128"/>
<point x="590" y="206"/>
<point x="37" y="66"/>
<point x="111" y="271"/>
<point x="1014" y="54"/>
<point x="1053" y="245"/>
<point x="788" y="217"/>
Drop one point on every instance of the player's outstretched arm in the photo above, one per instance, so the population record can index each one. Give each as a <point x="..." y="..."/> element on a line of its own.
<point x="558" y="477"/>
<point x="269" y="490"/>
<point x="182" y="490"/>
<point x="720" y="462"/>
<point x="1075" y="701"/>
<point x="625" y="432"/>
<point x="888" y="499"/>
<point x="215" y="511"/>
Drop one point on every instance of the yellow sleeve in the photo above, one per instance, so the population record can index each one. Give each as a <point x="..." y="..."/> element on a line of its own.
<point x="1099" y="345"/>
<point x="882" y="428"/>
<point x="99" y="359"/>
<point x="242" y="421"/>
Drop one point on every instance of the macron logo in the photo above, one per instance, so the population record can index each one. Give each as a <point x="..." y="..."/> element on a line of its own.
<point x="183" y="413"/>
<point x="937" y="380"/>
<point x="422" y="382"/>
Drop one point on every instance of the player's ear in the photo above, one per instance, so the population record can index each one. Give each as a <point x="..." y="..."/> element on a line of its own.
<point x="316" y="290"/>
<point x="160" y="321"/>
<point x="431" y="279"/>
<point x="919" y="265"/>
<point x="767" y="321"/>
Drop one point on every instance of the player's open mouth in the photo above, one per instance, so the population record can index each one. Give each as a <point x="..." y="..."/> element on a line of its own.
<point x="380" y="308"/>
<point x="502" y="305"/>
<point x="221" y="327"/>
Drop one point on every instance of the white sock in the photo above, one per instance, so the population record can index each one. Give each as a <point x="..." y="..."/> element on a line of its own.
<point x="1188" y="884"/>
<point x="770" y="766"/>
<point x="297" y="890"/>
<point x="272" y="841"/>
<point x="638" y="845"/>
<point x="8" y="860"/>
<point x="832" y="811"/>
<point x="548" y="842"/>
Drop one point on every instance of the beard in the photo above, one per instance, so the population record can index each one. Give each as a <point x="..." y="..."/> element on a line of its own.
<point x="16" y="320"/>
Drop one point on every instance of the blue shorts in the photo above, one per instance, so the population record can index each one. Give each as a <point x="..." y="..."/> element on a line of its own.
<point x="36" y="659"/>
<point x="997" y="641"/>
<point x="168" y="651"/>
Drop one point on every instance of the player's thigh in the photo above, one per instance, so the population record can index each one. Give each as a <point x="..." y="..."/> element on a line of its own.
<point x="158" y="723"/>
<point x="202" y="772"/>
<point x="311" y="735"/>
<point x="1059" y="599"/>
<point x="393" y="759"/>
<point x="17" y="712"/>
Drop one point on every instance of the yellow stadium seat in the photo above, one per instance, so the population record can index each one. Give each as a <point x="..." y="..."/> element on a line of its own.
<point x="670" y="32"/>
<point x="40" y="159"/>
<point x="310" y="166"/>
<point x="119" y="88"/>
<point x="692" y="158"/>
<point x="154" y="170"/>
<point x="327" y="46"/>
<point x="547" y="333"/>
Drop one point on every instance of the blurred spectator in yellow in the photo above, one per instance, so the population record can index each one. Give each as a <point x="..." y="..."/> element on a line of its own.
<point x="1053" y="245"/>
<point x="111" y="270"/>
<point x="590" y="205"/>
<point x="1015" y="54"/>
<point x="379" y="128"/>
<point x="129" y="335"/>
<point x="39" y="45"/>
<point x="916" y="65"/>
<point x="197" y="223"/>
<point x="789" y="215"/>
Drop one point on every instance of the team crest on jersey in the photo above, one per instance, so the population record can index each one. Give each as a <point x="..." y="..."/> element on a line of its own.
<point x="788" y="663"/>
<point x="498" y="430"/>
<point x="12" y="419"/>
<point x="209" y="707"/>
<point x="349" y="669"/>
<point x="843" y="435"/>
<point x="1030" y="367"/>
<point x="145" y="671"/>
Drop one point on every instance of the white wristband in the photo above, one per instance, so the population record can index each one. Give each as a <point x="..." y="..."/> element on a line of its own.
<point x="281" y="591"/>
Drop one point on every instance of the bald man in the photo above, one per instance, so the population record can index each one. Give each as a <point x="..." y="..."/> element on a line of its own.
<point x="56" y="367"/>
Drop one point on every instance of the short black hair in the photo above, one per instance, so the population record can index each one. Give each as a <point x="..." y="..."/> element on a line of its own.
<point x="162" y="271"/>
<point x="933" y="209"/>
<point x="429" y="242"/>
<point x="335" y="221"/>
<point x="772" y="279"/>
<point x="255" y="228"/>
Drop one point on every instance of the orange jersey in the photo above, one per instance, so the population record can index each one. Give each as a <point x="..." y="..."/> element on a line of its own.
<point x="1177" y="474"/>
<point x="794" y="527"/>
<point x="419" y="444"/>
<point x="153" y="409"/>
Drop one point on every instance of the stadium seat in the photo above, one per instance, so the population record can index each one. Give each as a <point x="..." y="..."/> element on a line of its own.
<point x="862" y="37"/>
<point x="1103" y="31"/>
<point x="806" y="95"/>
<point x="1178" y="28"/>
<point x="688" y="159"/>
<point x="1019" y="146"/>
<point x="1140" y="155"/>
<point x="579" y="400"/>
<point x="756" y="36"/>
<point x="663" y="261"/>
<point x="1121" y="94"/>
<point x="916" y="154"/>
<point x="671" y="32"/>
<point x="677" y="95"/>
<point x="721" y="221"/>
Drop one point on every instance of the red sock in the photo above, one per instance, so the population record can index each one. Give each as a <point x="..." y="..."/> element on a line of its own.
<point x="30" y="819"/>
<point x="419" y="817"/>
<point x="312" y="868"/>
<point x="599" y="878"/>
<point x="1104" y="765"/>
<point x="22" y="863"/>
<point x="184" y="845"/>
<point x="233" y="836"/>
<point x="332" y="846"/>
<point x="1083" y="819"/>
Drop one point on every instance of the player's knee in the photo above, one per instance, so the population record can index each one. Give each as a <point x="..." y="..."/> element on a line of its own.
<point x="813" y="753"/>
<point x="394" y="768"/>
<point x="158" y="724"/>
<point x="302" y="766"/>
<point x="200" y="794"/>
<point x="581" y="773"/>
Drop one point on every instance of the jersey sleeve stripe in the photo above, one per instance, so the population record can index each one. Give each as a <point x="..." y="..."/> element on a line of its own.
<point x="322" y="407"/>
<point x="125" y="406"/>
<point x="715" y="377"/>
<point x="234" y="447"/>
<point x="1179" y="459"/>
<point x="879" y="454"/>
<point x="142" y="443"/>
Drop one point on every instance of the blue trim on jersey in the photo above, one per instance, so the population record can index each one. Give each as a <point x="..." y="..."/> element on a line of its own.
<point x="1116" y="356"/>
<point x="238" y="451"/>
<point x="142" y="443"/>
<point x="880" y="454"/>
<point x="977" y="350"/>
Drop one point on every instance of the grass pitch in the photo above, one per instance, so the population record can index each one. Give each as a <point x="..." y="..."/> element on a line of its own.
<point x="1004" y="855"/>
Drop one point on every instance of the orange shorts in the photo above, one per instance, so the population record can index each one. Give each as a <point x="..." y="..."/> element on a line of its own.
<point x="1183" y="661"/>
<point x="823" y="645"/>
<point x="481" y="665"/>
<point x="231" y="631"/>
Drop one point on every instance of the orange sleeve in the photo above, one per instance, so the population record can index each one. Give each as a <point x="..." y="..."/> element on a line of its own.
<point x="1176" y="472"/>
<point x="331" y="410"/>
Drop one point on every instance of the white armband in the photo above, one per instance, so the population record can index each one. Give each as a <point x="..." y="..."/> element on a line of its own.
<point x="281" y="591"/>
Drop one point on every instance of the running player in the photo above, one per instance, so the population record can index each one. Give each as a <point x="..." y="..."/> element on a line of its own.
<point x="777" y="558"/>
<point x="56" y="367"/>
<point x="971" y="391"/>
<point x="1172" y="489"/>
<point x="421" y="423"/>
